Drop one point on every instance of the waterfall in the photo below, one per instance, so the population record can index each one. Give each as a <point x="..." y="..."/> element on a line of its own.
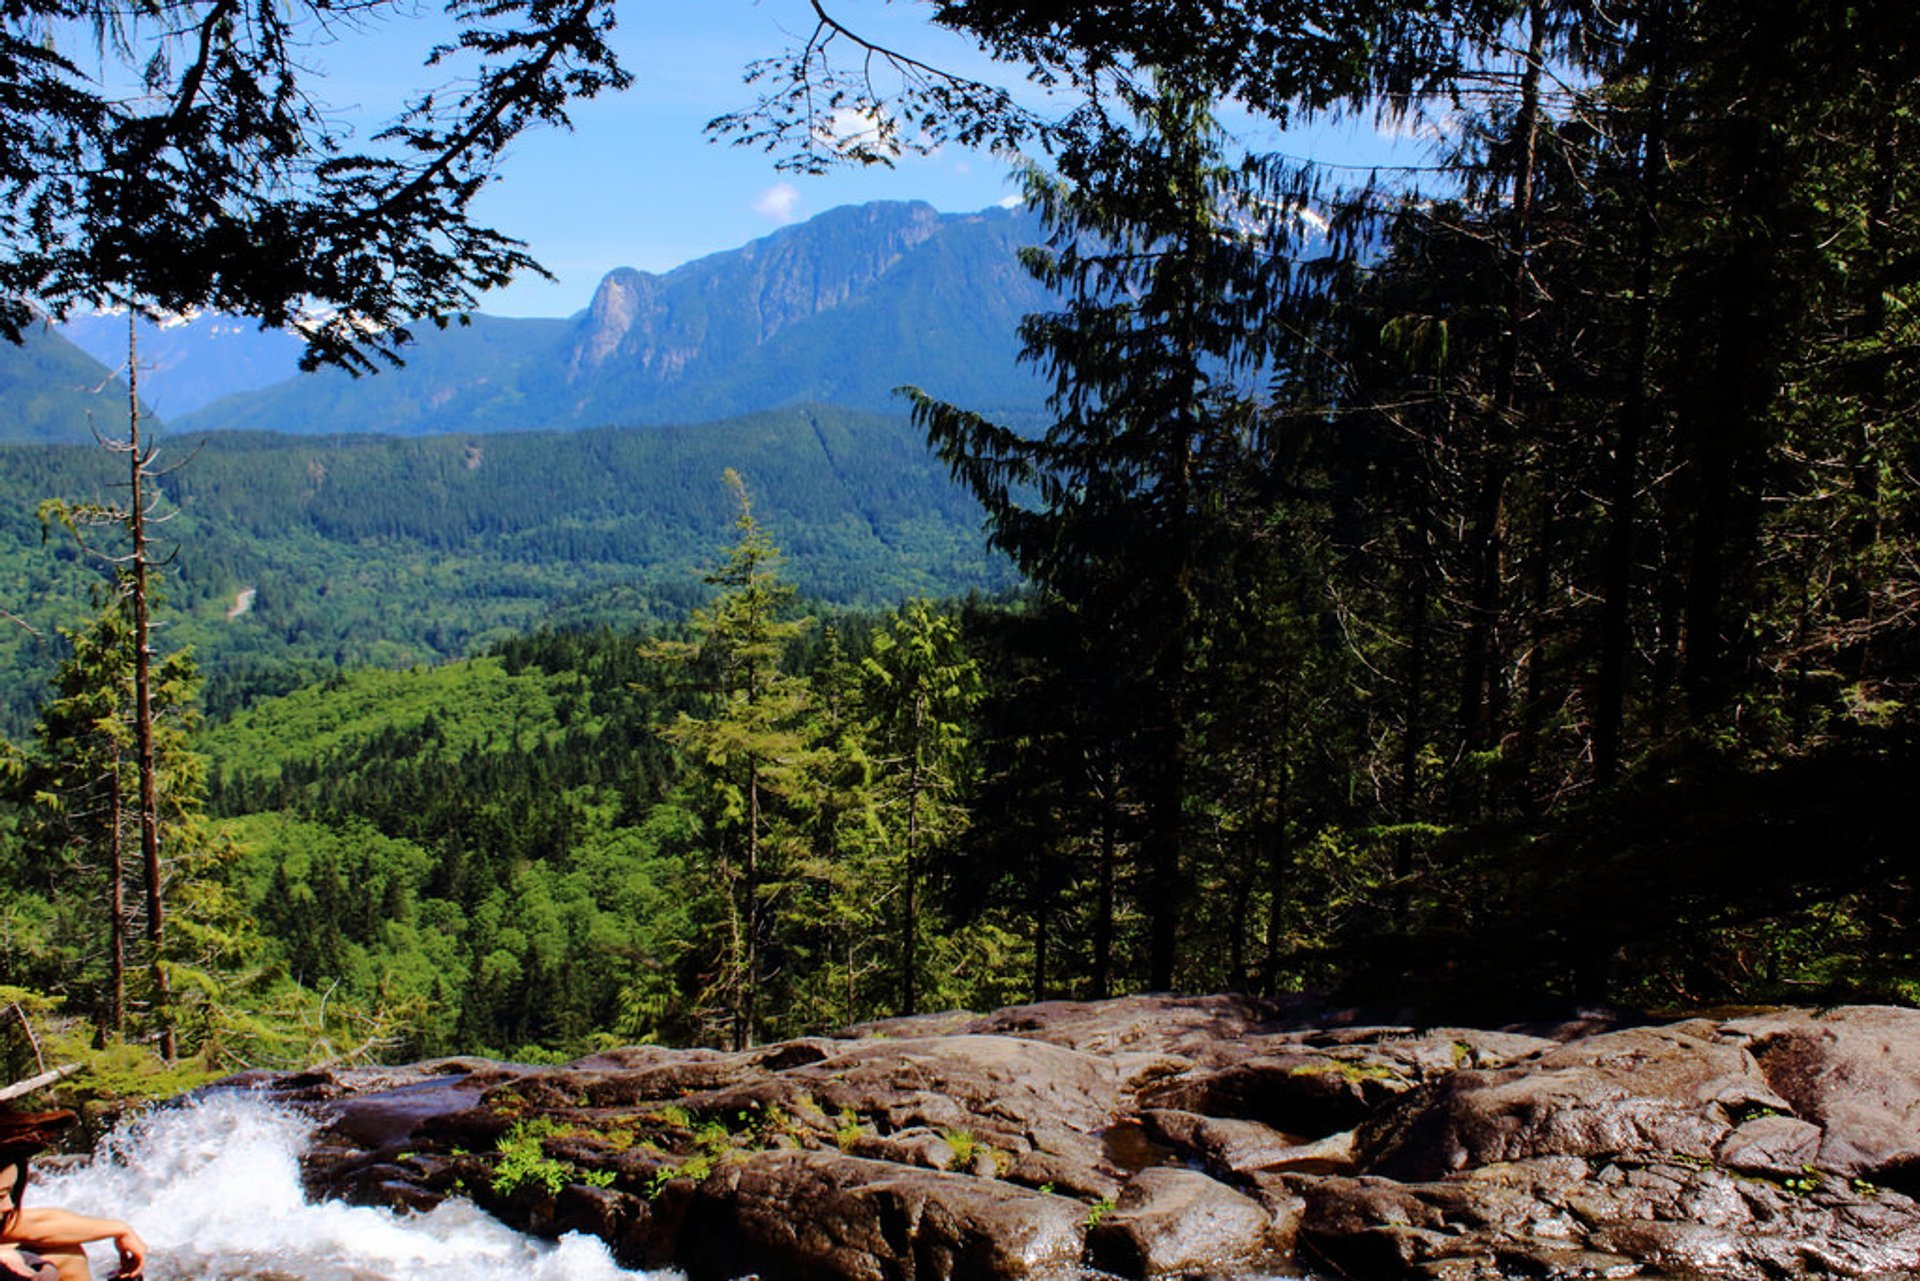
<point x="214" y="1187"/>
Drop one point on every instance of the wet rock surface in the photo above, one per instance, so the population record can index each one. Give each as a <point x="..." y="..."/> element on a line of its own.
<point x="1170" y="1136"/>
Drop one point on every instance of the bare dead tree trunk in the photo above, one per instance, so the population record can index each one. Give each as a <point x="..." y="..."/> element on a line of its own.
<point x="116" y="1021"/>
<point x="140" y="459"/>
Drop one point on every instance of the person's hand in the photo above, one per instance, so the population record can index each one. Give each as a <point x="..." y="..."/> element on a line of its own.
<point x="133" y="1255"/>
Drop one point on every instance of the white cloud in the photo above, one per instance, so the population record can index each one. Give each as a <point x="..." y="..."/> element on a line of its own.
<point x="1011" y="202"/>
<point x="858" y="133"/>
<point x="779" y="202"/>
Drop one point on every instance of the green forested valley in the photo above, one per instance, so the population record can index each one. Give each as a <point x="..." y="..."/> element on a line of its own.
<point x="364" y="551"/>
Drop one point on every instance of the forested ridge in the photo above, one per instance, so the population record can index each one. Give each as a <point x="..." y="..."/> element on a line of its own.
<point x="52" y="391"/>
<point x="1505" y="593"/>
<point x="368" y="551"/>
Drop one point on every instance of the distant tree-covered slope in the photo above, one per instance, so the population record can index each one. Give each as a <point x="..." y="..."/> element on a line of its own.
<point x="470" y="705"/>
<point x="480" y="376"/>
<point x="297" y="556"/>
<point x="50" y="390"/>
<point x="446" y="843"/>
<point x="838" y="310"/>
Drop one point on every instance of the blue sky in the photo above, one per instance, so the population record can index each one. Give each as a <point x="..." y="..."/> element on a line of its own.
<point x="638" y="183"/>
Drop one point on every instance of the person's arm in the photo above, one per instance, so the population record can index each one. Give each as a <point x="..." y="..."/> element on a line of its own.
<point x="48" y="1225"/>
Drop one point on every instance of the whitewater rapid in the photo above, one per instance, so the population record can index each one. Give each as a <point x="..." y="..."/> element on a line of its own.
<point x="214" y="1187"/>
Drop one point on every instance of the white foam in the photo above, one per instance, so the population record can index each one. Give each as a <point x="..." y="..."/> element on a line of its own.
<point x="214" y="1187"/>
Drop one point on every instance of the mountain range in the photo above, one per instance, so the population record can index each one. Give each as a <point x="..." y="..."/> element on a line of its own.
<point x="840" y="310"/>
<point x="187" y="362"/>
<point x="493" y="484"/>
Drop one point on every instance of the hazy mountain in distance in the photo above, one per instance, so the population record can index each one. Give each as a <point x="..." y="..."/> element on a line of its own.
<point x="189" y="362"/>
<point x="476" y="377"/>
<point x="837" y="310"/>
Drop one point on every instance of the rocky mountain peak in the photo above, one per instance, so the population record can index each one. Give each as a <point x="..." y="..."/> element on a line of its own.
<point x="735" y="301"/>
<point x="624" y="298"/>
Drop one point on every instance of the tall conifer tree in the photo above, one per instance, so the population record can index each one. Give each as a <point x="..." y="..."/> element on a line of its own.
<point x="1162" y="246"/>
<point x="921" y="689"/>
<point x="752" y="750"/>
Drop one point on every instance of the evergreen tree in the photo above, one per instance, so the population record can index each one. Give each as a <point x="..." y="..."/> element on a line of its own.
<point x="848" y="854"/>
<point x="751" y="749"/>
<point x="920" y="691"/>
<point x="80" y="787"/>
<point x="1123" y="508"/>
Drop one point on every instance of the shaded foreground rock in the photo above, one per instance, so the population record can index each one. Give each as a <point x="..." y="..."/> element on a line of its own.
<point x="1163" y="1136"/>
<point x="1642" y="1094"/>
<point x="1176" y="1221"/>
<point x="817" y="1214"/>
<point x="1851" y="1072"/>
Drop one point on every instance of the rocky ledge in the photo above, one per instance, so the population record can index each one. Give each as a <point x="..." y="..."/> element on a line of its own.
<point x="1151" y="1136"/>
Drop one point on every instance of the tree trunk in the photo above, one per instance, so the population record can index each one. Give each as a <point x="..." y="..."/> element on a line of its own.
<point x="140" y="460"/>
<point x="1103" y="888"/>
<point x="1610" y="692"/>
<point x="745" y="1024"/>
<point x="116" y="1020"/>
<point x="910" y="953"/>
<point x="1279" y="872"/>
<point x="1412" y="735"/>
<point x="1480" y="700"/>
<point x="1041" y="927"/>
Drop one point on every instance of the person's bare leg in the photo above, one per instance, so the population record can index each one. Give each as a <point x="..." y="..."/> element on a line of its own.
<point x="70" y="1259"/>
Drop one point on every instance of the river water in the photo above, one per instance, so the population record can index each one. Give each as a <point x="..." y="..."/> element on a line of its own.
<point x="214" y="1187"/>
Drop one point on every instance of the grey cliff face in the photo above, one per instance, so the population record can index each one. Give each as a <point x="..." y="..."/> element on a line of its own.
<point x="720" y="306"/>
<point x="625" y="301"/>
<point x="839" y="310"/>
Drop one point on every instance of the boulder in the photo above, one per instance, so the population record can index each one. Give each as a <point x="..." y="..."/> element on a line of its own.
<point x="1773" y="1146"/>
<point x="1316" y="1083"/>
<point x="1855" y="1073"/>
<point x="1180" y="1221"/>
<point x="1643" y="1094"/>
<point x="1007" y="1083"/>
<point x="1185" y="1027"/>
<point x="1223" y="1146"/>
<point x="1369" y="1226"/>
<point x="1558" y="1216"/>
<point x="824" y="1215"/>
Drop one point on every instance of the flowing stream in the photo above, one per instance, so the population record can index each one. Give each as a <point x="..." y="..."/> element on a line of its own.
<point x="214" y="1187"/>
